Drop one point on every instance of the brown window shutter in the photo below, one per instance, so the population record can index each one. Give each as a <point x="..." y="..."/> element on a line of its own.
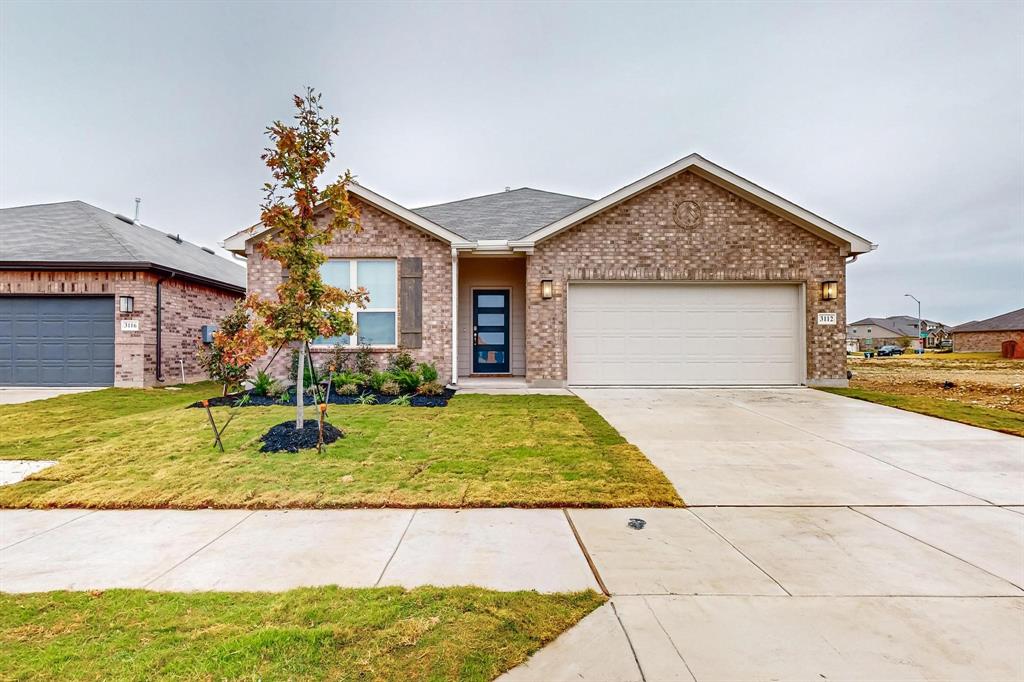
<point x="411" y="303"/>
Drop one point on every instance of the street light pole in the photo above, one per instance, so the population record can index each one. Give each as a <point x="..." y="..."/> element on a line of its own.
<point x="919" y="323"/>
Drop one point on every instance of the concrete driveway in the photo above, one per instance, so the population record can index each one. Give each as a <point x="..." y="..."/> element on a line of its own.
<point x="827" y="538"/>
<point x="10" y="395"/>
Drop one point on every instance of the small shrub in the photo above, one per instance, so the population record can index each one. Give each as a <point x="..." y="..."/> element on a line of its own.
<point x="366" y="399"/>
<point x="428" y="372"/>
<point x="347" y="389"/>
<point x="401" y="401"/>
<point x="365" y="362"/>
<point x="430" y="388"/>
<point x="243" y="400"/>
<point x="339" y="360"/>
<point x="390" y="388"/>
<point x="407" y="380"/>
<point x="378" y="379"/>
<point x="401" y="361"/>
<point x="352" y="378"/>
<point x="264" y="384"/>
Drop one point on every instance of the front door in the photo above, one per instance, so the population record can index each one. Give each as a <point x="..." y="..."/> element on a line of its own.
<point x="490" y="331"/>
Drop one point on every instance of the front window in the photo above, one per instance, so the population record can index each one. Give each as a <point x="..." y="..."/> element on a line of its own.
<point x="376" y="323"/>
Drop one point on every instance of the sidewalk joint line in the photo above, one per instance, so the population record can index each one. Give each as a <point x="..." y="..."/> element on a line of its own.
<point x="586" y="554"/>
<point x="225" y="532"/>
<point x="395" y="550"/>
<point x="85" y="513"/>
<point x="671" y="641"/>
<point x="629" y="641"/>
<point x="742" y="553"/>
<point x="928" y="544"/>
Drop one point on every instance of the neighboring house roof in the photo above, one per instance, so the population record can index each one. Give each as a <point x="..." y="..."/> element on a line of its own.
<point x="902" y="325"/>
<point x="511" y="214"/>
<point x="1011" y="321"/>
<point x="74" y="234"/>
<point x="517" y="220"/>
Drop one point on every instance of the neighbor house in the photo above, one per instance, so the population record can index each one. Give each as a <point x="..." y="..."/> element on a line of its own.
<point x="875" y="332"/>
<point x="689" y="276"/>
<point x="989" y="335"/>
<point x="92" y="298"/>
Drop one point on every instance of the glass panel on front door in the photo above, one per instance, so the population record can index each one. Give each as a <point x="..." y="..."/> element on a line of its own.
<point x="490" y="332"/>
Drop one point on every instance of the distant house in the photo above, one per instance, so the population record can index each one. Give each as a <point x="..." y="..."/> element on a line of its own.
<point x="92" y="298"/>
<point x="874" y="332"/>
<point x="988" y="335"/>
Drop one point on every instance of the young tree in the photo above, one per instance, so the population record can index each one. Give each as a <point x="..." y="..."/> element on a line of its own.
<point x="301" y="218"/>
<point x="236" y="345"/>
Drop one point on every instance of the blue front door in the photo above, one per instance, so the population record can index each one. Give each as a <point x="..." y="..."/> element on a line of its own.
<point x="490" y="331"/>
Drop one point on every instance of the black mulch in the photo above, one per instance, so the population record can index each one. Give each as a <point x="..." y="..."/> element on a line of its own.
<point x="286" y="438"/>
<point x="335" y="399"/>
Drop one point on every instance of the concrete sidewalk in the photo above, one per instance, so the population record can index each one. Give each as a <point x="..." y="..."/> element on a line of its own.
<point x="502" y="549"/>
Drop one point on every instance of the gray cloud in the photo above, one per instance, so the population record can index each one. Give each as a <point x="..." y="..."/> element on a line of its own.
<point x="903" y="122"/>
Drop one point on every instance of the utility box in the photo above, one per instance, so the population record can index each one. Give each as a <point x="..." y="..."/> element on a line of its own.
<point x="207" y="332"/>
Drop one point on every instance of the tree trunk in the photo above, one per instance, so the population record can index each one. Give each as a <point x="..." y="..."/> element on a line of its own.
<point x="300" y="393"/>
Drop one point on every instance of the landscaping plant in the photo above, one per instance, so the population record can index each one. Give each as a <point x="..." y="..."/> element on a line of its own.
<point x="300" y="218"/>
<point x="236" y="345"/>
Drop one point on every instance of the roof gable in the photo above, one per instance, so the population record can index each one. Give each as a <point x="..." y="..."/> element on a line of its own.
<point x="695" y="163"/>
<point x="74" y="233"/>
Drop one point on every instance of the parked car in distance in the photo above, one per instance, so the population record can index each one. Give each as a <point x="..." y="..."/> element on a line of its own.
<point x="889" y="350"/>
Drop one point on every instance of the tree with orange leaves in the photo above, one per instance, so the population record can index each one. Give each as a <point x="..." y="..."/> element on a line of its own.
<point x="301" y="218"/>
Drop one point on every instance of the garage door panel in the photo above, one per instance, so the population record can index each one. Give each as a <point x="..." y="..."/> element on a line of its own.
<point x="684" y="334"/>
<point x="56" y="341"/>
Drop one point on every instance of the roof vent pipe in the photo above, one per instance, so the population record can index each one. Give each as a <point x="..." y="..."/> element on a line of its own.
<point x="138" y="200"/>
<point x="508" y="189"/>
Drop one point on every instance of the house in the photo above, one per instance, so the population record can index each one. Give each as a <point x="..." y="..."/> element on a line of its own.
<point x="689" y="276"/>
<point x="91" y="298"/>
<point x="989" y="335"/>
<point x="874" y="332"/>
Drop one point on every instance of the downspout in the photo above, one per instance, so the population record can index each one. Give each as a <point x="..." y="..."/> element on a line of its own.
<point x="159" y="327"/>
<point x="455" y="316"/>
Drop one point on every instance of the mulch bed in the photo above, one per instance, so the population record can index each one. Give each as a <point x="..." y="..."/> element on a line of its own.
<point x="286" y="438"/>
<point x="334" y="399"/>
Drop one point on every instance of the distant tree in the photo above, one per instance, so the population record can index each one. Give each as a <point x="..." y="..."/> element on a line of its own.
<point x="236" y="345"/>
<point x="904" y="342"/>
<point x="306" y="307"/>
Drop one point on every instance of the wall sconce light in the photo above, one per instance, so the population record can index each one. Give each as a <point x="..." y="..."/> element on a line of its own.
<point x="127" y="304"/>
<point x="547" y="288"/>
<point x="829" y="290"/>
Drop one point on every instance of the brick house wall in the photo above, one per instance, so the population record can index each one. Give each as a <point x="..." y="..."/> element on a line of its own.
<point x="991" y="341"/>
<point x="639" y="240"/>
<point x="382" y="236"/>
<point x="186" y="307"/>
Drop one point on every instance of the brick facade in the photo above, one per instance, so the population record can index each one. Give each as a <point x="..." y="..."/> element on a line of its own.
<point x="186" y="307"/>
<point x="639" y="240"/>
<point x="990" y="341"/>
<point x="382" y="236"/>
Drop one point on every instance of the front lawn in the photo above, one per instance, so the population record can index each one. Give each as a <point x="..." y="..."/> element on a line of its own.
<point x="122" y="448"/>
<point x="953" y="410"/>
<point x="428" y="633"/>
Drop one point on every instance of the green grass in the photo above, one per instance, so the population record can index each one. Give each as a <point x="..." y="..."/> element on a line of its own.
<point x="124" y="448"/>
<point x="307" y="634"/>
<point x="975" y="415"/>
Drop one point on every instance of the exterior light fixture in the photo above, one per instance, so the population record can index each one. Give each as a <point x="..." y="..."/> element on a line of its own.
<point x="829" y="290"/>
<point x="127" y="304"/>
<point x="547" y="288"/>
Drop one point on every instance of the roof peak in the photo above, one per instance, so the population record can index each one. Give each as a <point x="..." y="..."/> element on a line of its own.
<point x="503" y="192"/>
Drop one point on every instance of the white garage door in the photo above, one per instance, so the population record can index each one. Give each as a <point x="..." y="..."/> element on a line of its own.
<point x="685" y="334"/>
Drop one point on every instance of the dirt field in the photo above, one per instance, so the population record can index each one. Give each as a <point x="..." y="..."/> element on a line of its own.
<point x="983" y="379"/>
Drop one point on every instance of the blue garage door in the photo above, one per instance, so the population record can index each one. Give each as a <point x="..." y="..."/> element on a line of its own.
<point x="56" y="341"/>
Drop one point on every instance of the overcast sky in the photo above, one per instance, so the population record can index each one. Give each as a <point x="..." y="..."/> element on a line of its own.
<point x="903" y="122"/>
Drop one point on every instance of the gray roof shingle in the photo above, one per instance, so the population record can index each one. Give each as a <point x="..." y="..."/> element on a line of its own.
<point x="79" y="233"/>
<point x="1011" y="321"/>
<point x="505" y="215"/>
